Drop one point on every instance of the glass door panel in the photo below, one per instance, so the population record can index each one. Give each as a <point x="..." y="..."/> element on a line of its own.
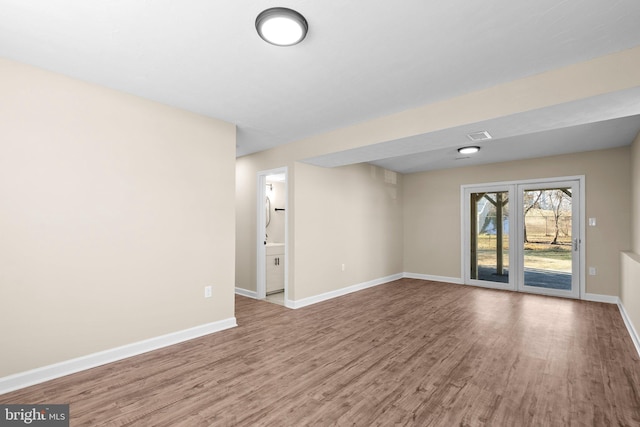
<point x="489" y="237"/>
<point x="550" y="240"/>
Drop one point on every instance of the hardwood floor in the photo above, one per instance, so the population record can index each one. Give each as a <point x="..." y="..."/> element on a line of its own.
<point x="409" y="353"/>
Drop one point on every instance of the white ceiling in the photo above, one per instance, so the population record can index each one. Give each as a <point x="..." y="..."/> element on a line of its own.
<point x="600" y="122"/>
<point x="592" y="136"/>
<point x="360" y="60"/>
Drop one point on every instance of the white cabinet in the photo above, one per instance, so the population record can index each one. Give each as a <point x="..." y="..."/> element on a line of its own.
<point x="275" y="267"/>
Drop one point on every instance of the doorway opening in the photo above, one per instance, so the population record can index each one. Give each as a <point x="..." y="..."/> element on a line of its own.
<point x="272" y="236"/>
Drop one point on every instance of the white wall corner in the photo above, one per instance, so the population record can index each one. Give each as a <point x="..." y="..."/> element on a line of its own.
<point x="246" y="293"/>
<point x="340" y="292"/>
<point x="57" y="370"/>
<point x="444" y="279"/>
<point x="632" y="331"/>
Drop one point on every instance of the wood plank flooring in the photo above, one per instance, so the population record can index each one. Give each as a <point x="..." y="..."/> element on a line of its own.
<point x="409" y="353"/>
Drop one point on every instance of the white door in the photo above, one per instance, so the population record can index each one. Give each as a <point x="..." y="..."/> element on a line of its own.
<point x="549" y="239"/>
<point x="524" y="236"/>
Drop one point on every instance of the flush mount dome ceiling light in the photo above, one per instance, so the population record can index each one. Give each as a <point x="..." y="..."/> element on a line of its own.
<point x="281" y="26"/>
<point x="468" y="150"/>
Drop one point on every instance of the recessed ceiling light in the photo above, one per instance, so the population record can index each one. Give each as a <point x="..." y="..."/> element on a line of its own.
<point x="281" y="26"/>
<point x="468" y="150"/>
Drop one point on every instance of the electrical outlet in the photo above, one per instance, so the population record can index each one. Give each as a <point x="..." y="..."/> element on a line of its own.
<point x="207" y="291"/>
<point x="592" y="222"/>
<point x="344" y="267"/>
<point x="592" y="271"/>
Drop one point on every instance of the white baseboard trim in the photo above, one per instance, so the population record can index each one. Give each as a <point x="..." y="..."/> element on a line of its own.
<point x="57" y="370"/>
<point x="247" y="293"/>
<point x="632" y="331"/>
<point x="601" y="298"/>
<point x="454" y="280"/>
<point x="340" y="292"/>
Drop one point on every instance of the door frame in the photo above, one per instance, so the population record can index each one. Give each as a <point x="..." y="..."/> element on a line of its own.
<point x="580" y="269"/>
<point x="261" y="253"/>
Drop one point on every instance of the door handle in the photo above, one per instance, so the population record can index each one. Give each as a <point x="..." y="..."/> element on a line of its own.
<point x="575" y="244"/>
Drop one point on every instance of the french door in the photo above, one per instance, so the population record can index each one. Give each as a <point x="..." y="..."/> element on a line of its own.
<point x="524" y="236"/>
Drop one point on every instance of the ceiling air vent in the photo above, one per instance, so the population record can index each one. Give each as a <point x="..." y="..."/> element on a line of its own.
<point x="479" y="136"/>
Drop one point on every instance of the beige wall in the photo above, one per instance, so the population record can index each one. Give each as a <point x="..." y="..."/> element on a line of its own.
<point x="432" y="211"/>
<point x="245" y="248"/>
<point x="635" y="196"/>
<point x="329" y="211"/>
<point x="114" y="215"/>
<point x="350" y="215"/>
<point x="630" y="261"/>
